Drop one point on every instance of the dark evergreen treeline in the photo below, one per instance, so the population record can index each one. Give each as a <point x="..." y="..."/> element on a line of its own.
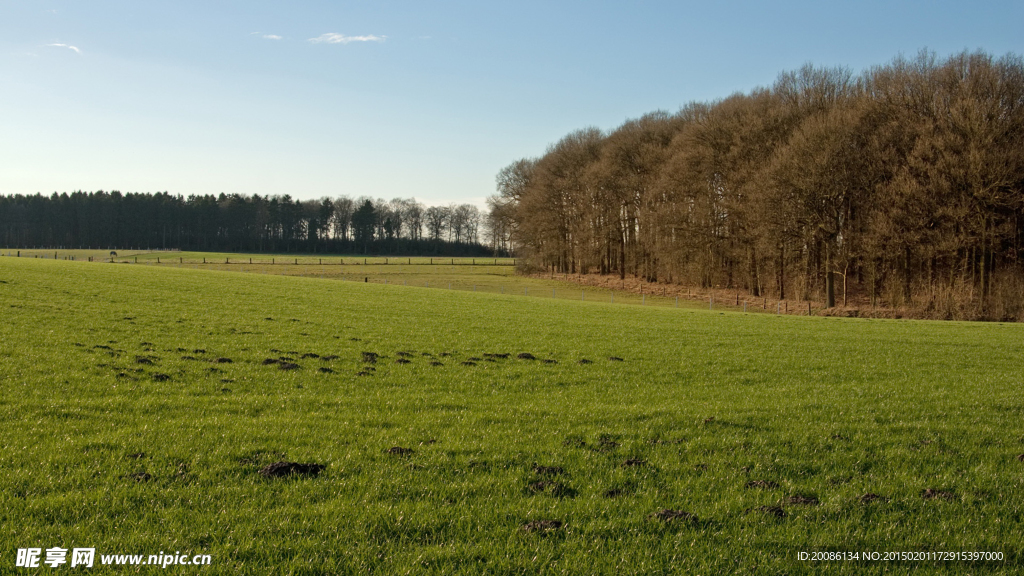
<point x="899" y="187"/>
<point x="239" y="223"/>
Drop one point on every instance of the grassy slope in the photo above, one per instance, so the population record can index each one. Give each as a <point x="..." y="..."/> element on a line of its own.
<point x="823" y="407"/>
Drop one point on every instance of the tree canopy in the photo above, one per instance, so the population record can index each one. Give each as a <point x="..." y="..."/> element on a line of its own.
<point x="902" y="185"/>
<point x="237" y="223"/>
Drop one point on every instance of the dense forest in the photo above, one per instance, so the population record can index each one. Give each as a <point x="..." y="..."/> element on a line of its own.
<point x="899" y="187"/>
<point x="239" y="223"/>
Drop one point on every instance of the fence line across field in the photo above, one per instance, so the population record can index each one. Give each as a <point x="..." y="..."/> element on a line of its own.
<point x="782" y="306"/>
<point x="293" y="261"/>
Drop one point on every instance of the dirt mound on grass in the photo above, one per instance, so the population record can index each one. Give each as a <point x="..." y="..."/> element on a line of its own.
<point x="282" y="469"/>
<point x="931" y="494"/>
<point x="542" y="526"/>
<point x="775" y="511"/>
<point x="556" y="489"/>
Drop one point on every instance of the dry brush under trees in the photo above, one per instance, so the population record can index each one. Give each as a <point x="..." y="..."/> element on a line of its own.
<point x="900" y="188"/>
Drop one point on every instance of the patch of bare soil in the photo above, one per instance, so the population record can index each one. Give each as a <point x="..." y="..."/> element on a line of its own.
<point x="550" y="487"/>
<point x="542" y="526"/>
<point x="775" y="511"/>
<point x="931" y="494"/>
<point x="575" y="442"/>
<point x="282" y="469"/>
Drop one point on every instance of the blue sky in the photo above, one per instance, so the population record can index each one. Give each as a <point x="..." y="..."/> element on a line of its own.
<point x="398" y="98"/>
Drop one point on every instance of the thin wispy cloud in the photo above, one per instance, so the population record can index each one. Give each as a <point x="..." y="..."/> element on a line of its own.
<point x="333" y="38"/>
<point x="271" y="36"/>
<point x="68" y="46"/>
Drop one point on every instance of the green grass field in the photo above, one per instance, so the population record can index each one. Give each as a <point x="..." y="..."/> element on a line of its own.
<point x="494" y="275"/>
<point x="139" y="404"/>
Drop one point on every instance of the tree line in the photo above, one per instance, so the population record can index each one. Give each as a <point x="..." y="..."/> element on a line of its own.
<point x="239" y="223"/>
<point x="897" y="187"/>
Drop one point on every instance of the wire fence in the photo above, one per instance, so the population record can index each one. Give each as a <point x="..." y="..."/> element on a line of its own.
<point x="377" y="270"/>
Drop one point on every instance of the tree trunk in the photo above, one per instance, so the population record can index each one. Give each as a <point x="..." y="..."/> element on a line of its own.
<point x="830" y="280"/>
<point x="755" y="282"/>
<point x="782" y="272"/>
